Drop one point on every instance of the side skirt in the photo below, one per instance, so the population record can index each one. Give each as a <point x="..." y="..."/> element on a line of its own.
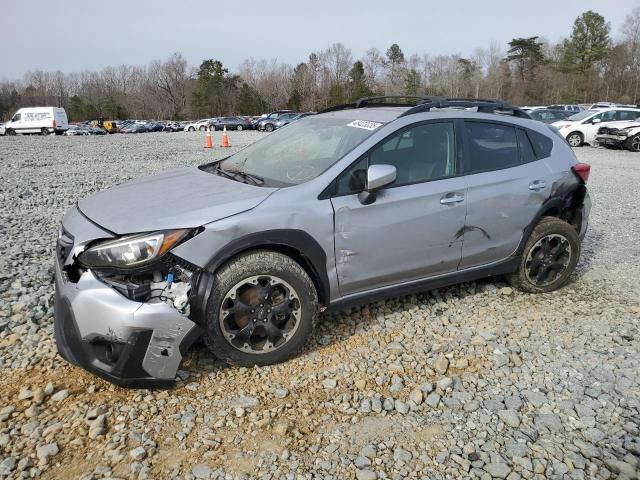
<point x="503" y="267"/>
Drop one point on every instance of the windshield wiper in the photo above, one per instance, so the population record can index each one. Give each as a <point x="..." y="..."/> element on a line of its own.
<point x="255" y="179"/>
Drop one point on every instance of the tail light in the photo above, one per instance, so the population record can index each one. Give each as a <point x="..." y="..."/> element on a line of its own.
<point x="582" y="171"/>
<point x="54" y="123"/>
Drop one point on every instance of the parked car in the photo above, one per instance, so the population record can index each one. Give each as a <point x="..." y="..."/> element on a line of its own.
<point x="75" y="130"/>
<point x="268" y="123"/>
<point x="569" y="108"/>
<point x="42" y="120"/>
<point x="546" y="115"/>
<point x="344" y="207"/>
<point x="620" y="135"/>
<point x="200" y="125"/>
<point x="232" y="123"/>
<point x="174" y="127"/>
<point x="134" y="128"/>
<point x="582" y="127"/>
<point x="284" y="119"/>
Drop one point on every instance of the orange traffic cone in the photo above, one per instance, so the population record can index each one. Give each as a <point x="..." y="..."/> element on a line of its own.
<point x="225" y="138"/>
<point x="208" y="143"/>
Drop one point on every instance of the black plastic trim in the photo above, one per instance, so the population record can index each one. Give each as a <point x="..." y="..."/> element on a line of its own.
<point x="313" y="256"/>
<point x="509" y="265"/>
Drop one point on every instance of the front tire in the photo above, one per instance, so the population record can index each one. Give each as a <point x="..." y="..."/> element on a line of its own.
<point x="268" y="127"/>
<point x="191" y="129"/>
<point x="202" y="128"/>
<point x="239" y="128"/>
<point x="10" y="132"/>
<point x="549" y="257"/>
<point x="575" y="139"/>
<point x="261" y="310"/>
<point x="633" y="143"/>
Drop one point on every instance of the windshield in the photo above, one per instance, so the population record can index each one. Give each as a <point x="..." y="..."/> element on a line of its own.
<point x="301" y="151"/>
<point x="581" y="115"/>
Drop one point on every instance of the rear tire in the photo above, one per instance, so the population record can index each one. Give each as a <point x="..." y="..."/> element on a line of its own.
<point x="549" y="257"/>
<point x="256" y="334"/>
<point x="575" y="139"/>
<point x="268" y="127"/>
<point x="44" y="132"/>
<point x="633" y="143"/>
<point x="191" y="129"/>
<point x="202" y="128"/>
<point x="239" y="128"/>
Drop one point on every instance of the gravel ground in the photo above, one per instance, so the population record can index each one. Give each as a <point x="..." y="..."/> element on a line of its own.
<point x="474" y="381"/>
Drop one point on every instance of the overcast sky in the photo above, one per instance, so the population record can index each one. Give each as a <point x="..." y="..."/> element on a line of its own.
<point x="73" y="35"/>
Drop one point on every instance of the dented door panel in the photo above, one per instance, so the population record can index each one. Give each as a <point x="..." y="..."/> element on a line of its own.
<point x="406" y="234"/>
<point x="500" y="205"/>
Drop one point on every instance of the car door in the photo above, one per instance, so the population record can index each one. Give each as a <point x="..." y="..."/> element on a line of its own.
<point x="507" y="185"/>
<point x="414" y="227"/>
<point x="590" y="127"/>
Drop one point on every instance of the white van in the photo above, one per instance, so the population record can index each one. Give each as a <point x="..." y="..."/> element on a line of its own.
<point x="42" y="120"/>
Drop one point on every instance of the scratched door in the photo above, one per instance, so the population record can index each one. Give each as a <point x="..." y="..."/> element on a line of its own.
<point x="409" y="232"/>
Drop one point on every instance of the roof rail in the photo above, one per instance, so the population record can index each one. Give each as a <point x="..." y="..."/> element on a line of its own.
<point x="426" y="103"/>
<point x="382" y="101"/>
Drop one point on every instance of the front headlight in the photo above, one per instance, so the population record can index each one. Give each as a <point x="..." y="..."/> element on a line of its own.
<point x="131" y="250"/>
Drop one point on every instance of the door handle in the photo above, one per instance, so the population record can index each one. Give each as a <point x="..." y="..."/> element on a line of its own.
<point x="537" y="185"/>
<point x="451" y="198"/>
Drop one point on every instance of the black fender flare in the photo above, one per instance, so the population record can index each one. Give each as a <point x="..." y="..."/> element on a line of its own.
<point x="298" y="244"/>
<point x="557" y="203"/>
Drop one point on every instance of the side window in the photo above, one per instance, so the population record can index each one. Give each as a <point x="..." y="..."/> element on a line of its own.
<point x="354" y="179"/>
<point x="607" y="116"/>
<point x="420" y="154"/>
<point x="16" y="118"/>
<point x="491" y="147"/>
<point x="627" y="115"/>
<point x="526" y="150"/>
<point x="542" y="145"/>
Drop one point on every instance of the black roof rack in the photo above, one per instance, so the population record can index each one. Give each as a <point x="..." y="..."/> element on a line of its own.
<point x="425" y="104"/>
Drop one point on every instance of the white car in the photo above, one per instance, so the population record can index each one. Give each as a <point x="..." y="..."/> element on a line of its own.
<point x="200" y="125"/>
<point x="42" y="120"/>
<point x="583" y="127"/>
<point x="620" y="135"/>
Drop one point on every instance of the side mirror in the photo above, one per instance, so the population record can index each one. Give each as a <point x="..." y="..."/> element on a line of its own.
<point x="596" y="120"/>
<point x="378" y="176"/>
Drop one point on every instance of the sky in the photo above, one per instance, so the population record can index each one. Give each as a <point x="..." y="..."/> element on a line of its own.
<point x="74" y="35"/>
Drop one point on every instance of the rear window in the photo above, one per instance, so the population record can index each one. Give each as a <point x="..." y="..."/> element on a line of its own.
<point x="542" y="145"/>
<point x="491" y="147"/>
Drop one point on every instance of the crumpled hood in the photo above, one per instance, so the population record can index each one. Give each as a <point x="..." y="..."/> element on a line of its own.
<point x="183" y="198"/>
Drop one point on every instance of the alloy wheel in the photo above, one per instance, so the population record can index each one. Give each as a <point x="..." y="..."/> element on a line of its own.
<point x="548" y="259"/>
<point x="260" y="314"/>
<point x="635" y="143"/>
<point x="574" y="140"/>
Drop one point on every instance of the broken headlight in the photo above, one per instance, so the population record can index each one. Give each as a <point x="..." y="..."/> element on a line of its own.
<point x="131" y="250"/>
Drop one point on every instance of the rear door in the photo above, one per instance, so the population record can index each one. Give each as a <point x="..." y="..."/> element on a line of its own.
<point x="413" y="229"/>
<point x="507" y="185"/>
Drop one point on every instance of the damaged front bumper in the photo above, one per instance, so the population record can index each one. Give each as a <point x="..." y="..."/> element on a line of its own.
<point x="611" y="139"/>
<point x="126" y="342"/>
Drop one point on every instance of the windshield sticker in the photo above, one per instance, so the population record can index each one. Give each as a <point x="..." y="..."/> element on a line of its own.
<point x="364" y="124"/>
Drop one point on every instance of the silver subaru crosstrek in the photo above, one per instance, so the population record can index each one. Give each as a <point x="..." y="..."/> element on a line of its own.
<point x="360" y="202"/>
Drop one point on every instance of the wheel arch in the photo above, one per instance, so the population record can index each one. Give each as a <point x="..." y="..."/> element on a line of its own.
<point x="296" y="244"/>
<point x="566" y="206"/>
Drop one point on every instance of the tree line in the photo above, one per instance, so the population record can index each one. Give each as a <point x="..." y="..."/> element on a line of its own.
<point x="588" y="66"/>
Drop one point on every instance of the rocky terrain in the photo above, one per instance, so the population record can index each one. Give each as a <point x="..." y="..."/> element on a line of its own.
<point x="476" y="381"/>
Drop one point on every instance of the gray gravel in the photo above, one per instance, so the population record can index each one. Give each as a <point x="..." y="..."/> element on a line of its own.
<point x="476" y="380"/>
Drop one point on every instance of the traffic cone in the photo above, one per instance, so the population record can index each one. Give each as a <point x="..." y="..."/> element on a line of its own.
<point x="225" y="138"/>
<point x="208" y="143"/>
